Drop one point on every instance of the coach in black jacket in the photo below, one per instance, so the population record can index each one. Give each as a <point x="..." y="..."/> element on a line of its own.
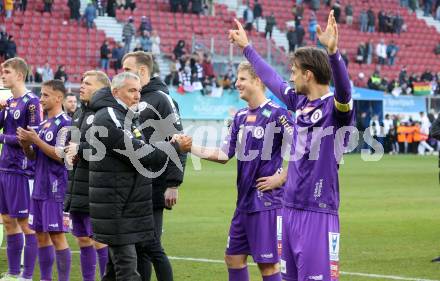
<point x="120" y="197"/>
<point x="160" y="112"/>
<point x="435" y="133"/>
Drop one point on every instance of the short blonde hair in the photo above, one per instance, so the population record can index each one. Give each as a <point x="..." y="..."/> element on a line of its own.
<point x="101" y="77"/>
<point x="18" y="64"/>
<point x="246" y="66"/>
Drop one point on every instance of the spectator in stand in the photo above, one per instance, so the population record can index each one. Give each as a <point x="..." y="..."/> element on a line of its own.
<point x="398" y="23"/>
<point x="313" y="23"/>
<point x="3" y="41"/>
<point x="74" y="6"/>
<point x="22" y="5"/>
<point x="403" y="76"/>
<point x="389" y="21"/>
<point x="315" y="5"/>
<point x="258" y="13"/>
<point x="369" y="47"/>
<point x="427" y="76"/>
<point x="90" y="15"/>
<point x="292" y="38"/>
<point x="117" y="55"/>
<point x="437" y="13"/>
<point x="120" y="4"/>
<point x="130" y="4"/>
<point x="138" y="47"/>
<point x="270" y="23"/>
<point x="427" y="8"/>
<point x="30" y="77"/>
<point x="111" y="8"/>
<point x="11" y="49"/>
<point x="172" y="79"/>
<point x="299" y="12"/>
<point x="48" y="6"/>
<point x="375" y="81"/>
<point x="381" y="52"/>
<point x="39" y="75"/>
<point x="248" y="16"/>
<point x="344" y="57"/>
<point x="105" y="55"/>
<point x="184" y="5"/>
<point x="99" y="7"/>
<point x="392" y="50"/>
<point x="70" y="104"/>
<point x="413" y="78"/>
<point x="363" y="21"/>
<point x="381" y="20"/>
<point x="61" y="74"/>
<point x="145" y="25"/>
<point x="128" y="32"/>
<point x="349" y="14"/>
<point x="208" y="70"/>
<point x="196" y="7"/>
<point x="361" y="53"/>
<point x="174" y="6"/>
<point x="196" y="70"/>
<point x="155" y="48"/>
<point x="360" y="80"/>
<point x="145" y="41"/>
<point x="371" y="20"/>
<point x="47" y="72"/>
<point x="300" y="33"/>
<point x="9" y="7"/>
<point x="413" y="5"/>
<point x="437" y="49"/>
<point x="337" y="10"/>
<point x="185" y="75"/>
<point x="179" y="50"/>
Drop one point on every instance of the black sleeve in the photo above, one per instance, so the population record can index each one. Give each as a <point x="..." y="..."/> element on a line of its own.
<point x="173" y="173"/>
<point x="117" y="138"/>
<point x="435" y="129"/>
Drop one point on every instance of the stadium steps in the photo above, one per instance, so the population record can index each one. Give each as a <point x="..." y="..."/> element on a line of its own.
<point x="429" y="20"/>
<point x="111" y="27"/>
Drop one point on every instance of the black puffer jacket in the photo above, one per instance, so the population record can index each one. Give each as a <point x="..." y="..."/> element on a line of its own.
<point x="77" y="196"/>
<point x="121" y="209"/>
<point x="435" y="133"/>
<point x="156" y="94"/>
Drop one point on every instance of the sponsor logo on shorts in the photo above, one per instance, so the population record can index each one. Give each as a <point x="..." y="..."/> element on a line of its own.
<point x="23" y="211"/>
<point x="267" y="256"/>
<point x="334" y="271"/>
<point x="31" y="219"/>
<point x="283" y="266"/>
<point x="333" y="245"/>
<point x="279" y="228"/>
<point x="53" y="225"/>
<point x="316" y="277"/>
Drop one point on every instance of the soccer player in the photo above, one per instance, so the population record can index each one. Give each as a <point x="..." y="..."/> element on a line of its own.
<point x="311" y="193"/>
<point x="46" y="213"/>
<point x="17" y="171"/>
<point x="77" y="199"/>
<point x="255" y="136"/>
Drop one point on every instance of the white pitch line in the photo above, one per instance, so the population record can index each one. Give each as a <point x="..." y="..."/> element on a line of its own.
<point x="368" y="275"/>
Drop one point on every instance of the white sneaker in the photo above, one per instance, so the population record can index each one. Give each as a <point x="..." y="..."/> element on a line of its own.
<point x="8" y="277"/>
<point x="23" y="279"/>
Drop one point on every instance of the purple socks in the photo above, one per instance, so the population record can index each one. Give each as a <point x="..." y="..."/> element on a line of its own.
<point x="64" y="258"/>
<point x="14" y="250"/>
<point x="30" y="255"/>
<point x="274" y="277"/>
<point x="241" y="274"/>
<point x="46" y="258"/>
<point x="103" y="258"/>
<point x="88" y="263"/>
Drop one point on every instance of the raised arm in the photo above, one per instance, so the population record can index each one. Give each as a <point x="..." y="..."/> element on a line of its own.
<point x="267" y="74"/>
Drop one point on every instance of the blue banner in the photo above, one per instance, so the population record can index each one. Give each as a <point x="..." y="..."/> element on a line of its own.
<point x="404" y="104"/>
<point x="366" y="94"/>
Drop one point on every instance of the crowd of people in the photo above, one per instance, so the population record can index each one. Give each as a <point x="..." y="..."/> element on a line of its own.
<point x="399" y="134"/>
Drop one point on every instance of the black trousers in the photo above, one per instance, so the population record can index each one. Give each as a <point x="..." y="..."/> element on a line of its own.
<point x="151" y="252"/>
<point x="122" y="264"/>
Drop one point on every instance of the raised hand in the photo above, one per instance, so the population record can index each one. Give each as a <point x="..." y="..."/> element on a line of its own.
<point x="329" y="37"/>
<point x="238" y="36"/>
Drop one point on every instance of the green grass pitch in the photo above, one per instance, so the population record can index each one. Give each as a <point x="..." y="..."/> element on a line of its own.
<point x="390" y="220"/>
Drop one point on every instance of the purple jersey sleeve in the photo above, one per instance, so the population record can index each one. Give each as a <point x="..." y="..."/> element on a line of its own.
<point x="230" y="143"/>
<point x="271" y="79"/>
<point x="343" y="99"/>
<point x="7" y="138"/>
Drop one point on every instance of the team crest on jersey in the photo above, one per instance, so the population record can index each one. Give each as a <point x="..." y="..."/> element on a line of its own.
<point x="13" y="104"/>
<point x="48" y="136"/>
<point x="90" y="119"/>
<point x="259" y="132"/>
<point x="316" y="115"/>
<point x="17" y="114"/>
